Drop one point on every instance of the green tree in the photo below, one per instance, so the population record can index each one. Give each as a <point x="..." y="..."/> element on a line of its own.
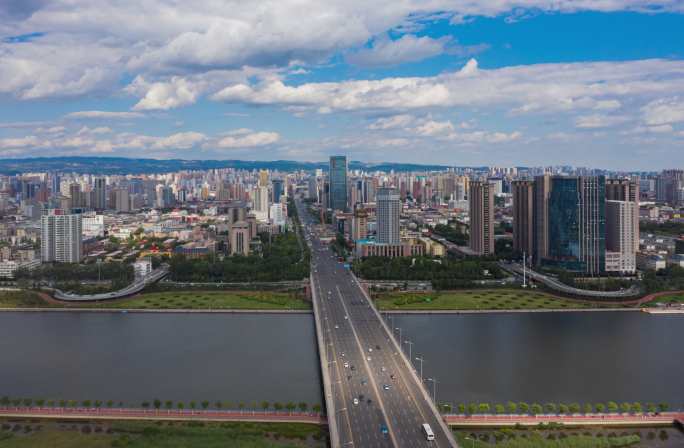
<point x="550" y="408"/>
<point x="612" y="406"/>
<point x="62" y="403"/>
<point x="98" y="403"/>
<point x="536" y="408"/>
<point x="193" y="405"/>
<point x="625" y="407"/>
<point x="600" y="408"/>
<point x="664" y="407"/>
<point x="86" y="403"/>
<point x="218" y="404"/>
<point x="563" y="408"/>
<point x="168" y="404"/>
<point x="472" y="408"/>
<point x="302" y="406"/>
<point x="27" y="402"/>
<point x="145" y="404"/>
<point x="205" y="404"/>
<point x="574" y="408"/>
<point x="651" y="407"/>
<point x="110" y="403"/>
<point x="278" y="406"/>
<point x="40" y="402"/>
<point x="180" y="405"/>
<point x="637" y="408"/>
<point x="461" y="408"/>
<point x="290" y="406"/>
<point x="524" y="407"/>
<point x="512" y="407"/>
<point x="5" y="401"/>
<point x="265" y="405"/>
<point x="588" y="408"/>
<point x="500" y="409"/>
<point x="51" y="403"/>
<point x="317" y="408"/>
<point x="157" y="403"/>
<point x="72" y="403"/>
<point x="241" y="406"/>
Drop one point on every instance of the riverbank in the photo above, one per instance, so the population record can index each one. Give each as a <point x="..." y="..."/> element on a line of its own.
<point x="487" y="300"/>
<point x="42" y="433"/>
<point x="153" y="311"/>
<point x="168" y="301"/>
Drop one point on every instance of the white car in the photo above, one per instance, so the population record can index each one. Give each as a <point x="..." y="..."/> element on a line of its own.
<point x="386" y="386"/>
<point x="370" y="349"/>
<point x="356" y="401"/>
<point x="369" y="358"/>
<point x="337" y="327"/>
<point x="346" y="364"/>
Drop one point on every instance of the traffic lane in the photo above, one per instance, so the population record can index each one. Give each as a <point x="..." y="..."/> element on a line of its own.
<point x="376" y="332"/>
<point x="364" y="421"/>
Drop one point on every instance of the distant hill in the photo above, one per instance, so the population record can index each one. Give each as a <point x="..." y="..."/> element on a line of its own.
<point x="122" y="165"/>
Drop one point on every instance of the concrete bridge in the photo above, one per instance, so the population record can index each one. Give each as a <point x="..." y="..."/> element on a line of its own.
<point x="129" y="290"/>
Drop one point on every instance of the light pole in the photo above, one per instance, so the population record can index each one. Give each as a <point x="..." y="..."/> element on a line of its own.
<point x="434" y="389"/>
<point x="399" y="330"/>
<point x="410" y="344"/>
<point x="421" y="359"/>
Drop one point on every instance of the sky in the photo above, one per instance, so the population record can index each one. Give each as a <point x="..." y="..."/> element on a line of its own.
<point x="596" y="83"/>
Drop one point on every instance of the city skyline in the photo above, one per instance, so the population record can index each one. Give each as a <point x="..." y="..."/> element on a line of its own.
<point x="450" y="83"/>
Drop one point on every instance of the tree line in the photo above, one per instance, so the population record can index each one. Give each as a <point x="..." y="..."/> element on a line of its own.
<point x="555" y="408"/>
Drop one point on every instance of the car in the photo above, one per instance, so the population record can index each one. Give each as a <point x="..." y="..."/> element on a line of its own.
<point x="377" y="347"/>
<point x="384" y="430"/>
<point x="346" y="364"/>
<point x="342" y="354"/>
<point x="383" y="369"/>
<point x="392" y="376"/>
<point x="353" y="368"/>
<point x="369" y="358"/>
<point x="336" y="327"/>
<point x="356" y="401"/>
<point x="386" y="386"/>
<point x="370" y="349"/>
<point x="363" y="381"/>
<point x="346" y="317"/>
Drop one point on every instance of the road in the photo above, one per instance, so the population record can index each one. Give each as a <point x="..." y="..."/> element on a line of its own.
<point x="481" y="420"/>
<point x="129" y="290"/>
<point x="373" y="387"/>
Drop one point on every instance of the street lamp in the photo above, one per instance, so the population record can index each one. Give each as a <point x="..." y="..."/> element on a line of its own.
<point x="421" y="359"/>
<point x="434" y="389"/>
<point x="410" y="344"/>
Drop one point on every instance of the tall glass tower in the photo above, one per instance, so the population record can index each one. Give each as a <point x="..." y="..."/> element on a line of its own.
<point x="338" y="183"/>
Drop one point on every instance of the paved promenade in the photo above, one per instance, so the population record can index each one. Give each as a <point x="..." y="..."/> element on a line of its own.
<point x="664" y="418"/>
<point x="162" y="414"/>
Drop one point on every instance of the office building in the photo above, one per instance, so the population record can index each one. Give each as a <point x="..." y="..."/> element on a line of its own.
<point x="388" y="210"/>
<point x="278" y="189"/>
<point x="626" y="190"/>
<point x="338" y="183"/>
<point x="523" y="217"/>
<point x="360" y="225"/>
<point x="577" y="225"/>
<point x="61" y="237"/>
<point x="240" y="238"/>
<point x="481" y="202"/>
<point x="100" y="194"/>
<point x="122" y="200"/>
<point x="542" y="191"/>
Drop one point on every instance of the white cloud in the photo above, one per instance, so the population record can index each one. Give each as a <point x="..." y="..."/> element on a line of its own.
<point x="388" y="52"/>
<point x="433" y="128"/>
<point x="664" y="111"/>
<point x="168" y="95"/>
<point x="395" y="121"/>
<point x="595" y="121"/>
<point x="247" y="140"/>
<point x="20" y="142"/>
<point x="104" y="115"/>
<point x="181" y="140"/>
<point x="540" y="87"/>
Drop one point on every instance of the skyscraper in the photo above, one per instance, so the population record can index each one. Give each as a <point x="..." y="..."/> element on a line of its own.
<point x="61" y="237"/>
<point x="577" y="224"/>
<point x="388" y="208"/>
<point x="239" y="238"/>
<point x="626" y="190"/>
<point x="621" y="239"/>
<point x="523" y="216"/>
<point x="481" y="200"/>
<point x="542" y="191"/>
<point x="278" y="189"/>
<point x="338" y="183"/>
<point x="100" y="194"/>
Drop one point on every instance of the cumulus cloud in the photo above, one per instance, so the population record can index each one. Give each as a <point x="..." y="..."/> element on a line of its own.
<point x="245" y="138"/>
<point x="395" y="121"/>
<point x="522" y="89"/>
<point x="168" y="95"/>
<point x="595" y="121"/>
<point x="101" y="114"/>
<point x="664" y="111"/>
<point x="434" y="128"/>
<point x="408" y="48"/>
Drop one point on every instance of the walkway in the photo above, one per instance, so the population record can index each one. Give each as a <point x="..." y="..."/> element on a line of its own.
<point x="129" y="290"/>
<point x="482" y="420"/>
<point x="162" y="414"/>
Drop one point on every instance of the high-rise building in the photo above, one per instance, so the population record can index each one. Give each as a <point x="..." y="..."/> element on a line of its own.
<point x="577" y="224"/>
<point x="240" y="238"/>
<point x="100" y="194"/>
<point x="338" y="183"/>
<point x="263" y="178"/>
<point x="61" y="237"/>
<point x="122" y="200"/>
<point x="621" y="239"/>
<point x="388" y="210"/>
<point x="626" y="190"/>
<point x="523" y="216"/>
<point x="481" y="201"/>
<point x="542" y="191"/>
<point x="360" y="224"/>
<point x="278" y="189"/>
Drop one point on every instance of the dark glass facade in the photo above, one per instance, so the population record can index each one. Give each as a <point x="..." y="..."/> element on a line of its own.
<point x="338" y="183"/>
<point x="577" y="224"/>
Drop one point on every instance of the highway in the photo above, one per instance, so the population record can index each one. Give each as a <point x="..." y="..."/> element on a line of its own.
<point x="378" y="399"/>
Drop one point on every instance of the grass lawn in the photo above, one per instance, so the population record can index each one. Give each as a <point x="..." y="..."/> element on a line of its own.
<point x="478" y="299"/>
<point x="533" y="439"/>
<point x="165" y="434"/>
<point x="673" y="298"/>
<point x="204" y="300"/>
<point x="22" y="299"/>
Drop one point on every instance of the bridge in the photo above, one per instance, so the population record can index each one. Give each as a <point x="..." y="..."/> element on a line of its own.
<point x="129" y="290"/>
<point x="373" y="395"/>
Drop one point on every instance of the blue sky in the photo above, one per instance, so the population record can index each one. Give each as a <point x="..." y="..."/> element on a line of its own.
<point x="446" y="81"/>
